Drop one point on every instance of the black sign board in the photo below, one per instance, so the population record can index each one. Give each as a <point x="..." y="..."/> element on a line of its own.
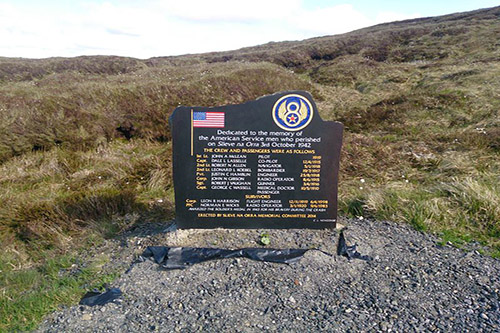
<point x="268" y="163"/>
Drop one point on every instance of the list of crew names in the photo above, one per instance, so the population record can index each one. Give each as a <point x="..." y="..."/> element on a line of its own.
<point x="269" y="168"/>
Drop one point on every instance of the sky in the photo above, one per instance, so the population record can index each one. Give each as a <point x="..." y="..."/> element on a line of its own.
<point x="150" y="28"/>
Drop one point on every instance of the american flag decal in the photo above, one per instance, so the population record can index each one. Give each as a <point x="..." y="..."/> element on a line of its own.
<point x="208" y="119"/>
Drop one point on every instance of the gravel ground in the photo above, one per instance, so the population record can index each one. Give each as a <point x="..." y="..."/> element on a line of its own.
<point x="411" y="285"/>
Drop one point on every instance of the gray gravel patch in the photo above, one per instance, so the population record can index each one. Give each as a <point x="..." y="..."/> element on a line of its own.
<point x="411" y="285"/>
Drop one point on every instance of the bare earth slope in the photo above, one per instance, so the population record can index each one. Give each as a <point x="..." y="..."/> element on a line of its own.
<point x="411" y="285"/>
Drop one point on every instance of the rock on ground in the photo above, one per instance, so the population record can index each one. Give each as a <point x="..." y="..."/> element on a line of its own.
<point x="411" y="285"/>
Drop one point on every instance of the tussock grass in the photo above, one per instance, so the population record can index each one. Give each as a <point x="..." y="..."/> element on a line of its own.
<point x="52" y="197"/>
<point x="61" y="200"/>
<point x="479" y="200"/>
<point x="465" y="206"/>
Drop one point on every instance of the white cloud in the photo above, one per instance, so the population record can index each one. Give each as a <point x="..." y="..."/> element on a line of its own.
<point x="231" y="10"/>
<point x="332" y="20"/>
<point x="393" y="16"/>
<point x="165" y="27"/>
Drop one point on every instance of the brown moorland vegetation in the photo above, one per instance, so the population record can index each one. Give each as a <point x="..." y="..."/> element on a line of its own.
<point x="85" y="146"/>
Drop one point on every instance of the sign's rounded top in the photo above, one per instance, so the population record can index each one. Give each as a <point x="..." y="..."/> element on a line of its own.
<point x="292" y="112"/>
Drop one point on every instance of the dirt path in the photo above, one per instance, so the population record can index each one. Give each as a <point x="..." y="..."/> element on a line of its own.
<point x="411" y="285"/>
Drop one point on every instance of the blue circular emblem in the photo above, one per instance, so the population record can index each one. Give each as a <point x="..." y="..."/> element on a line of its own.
<point x="292" y="112"/>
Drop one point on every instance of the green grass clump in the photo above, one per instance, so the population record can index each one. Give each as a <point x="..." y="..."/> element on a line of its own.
<point x="28" y="295"/>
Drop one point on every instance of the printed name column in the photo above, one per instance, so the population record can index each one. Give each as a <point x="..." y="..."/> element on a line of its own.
<point x="202" y="168"/>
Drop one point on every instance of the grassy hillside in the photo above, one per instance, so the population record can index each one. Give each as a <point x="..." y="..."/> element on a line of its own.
<point x="85" y="146"/>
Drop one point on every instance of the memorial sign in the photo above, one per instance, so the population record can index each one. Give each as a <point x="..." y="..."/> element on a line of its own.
<point x="268" y="163"/>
